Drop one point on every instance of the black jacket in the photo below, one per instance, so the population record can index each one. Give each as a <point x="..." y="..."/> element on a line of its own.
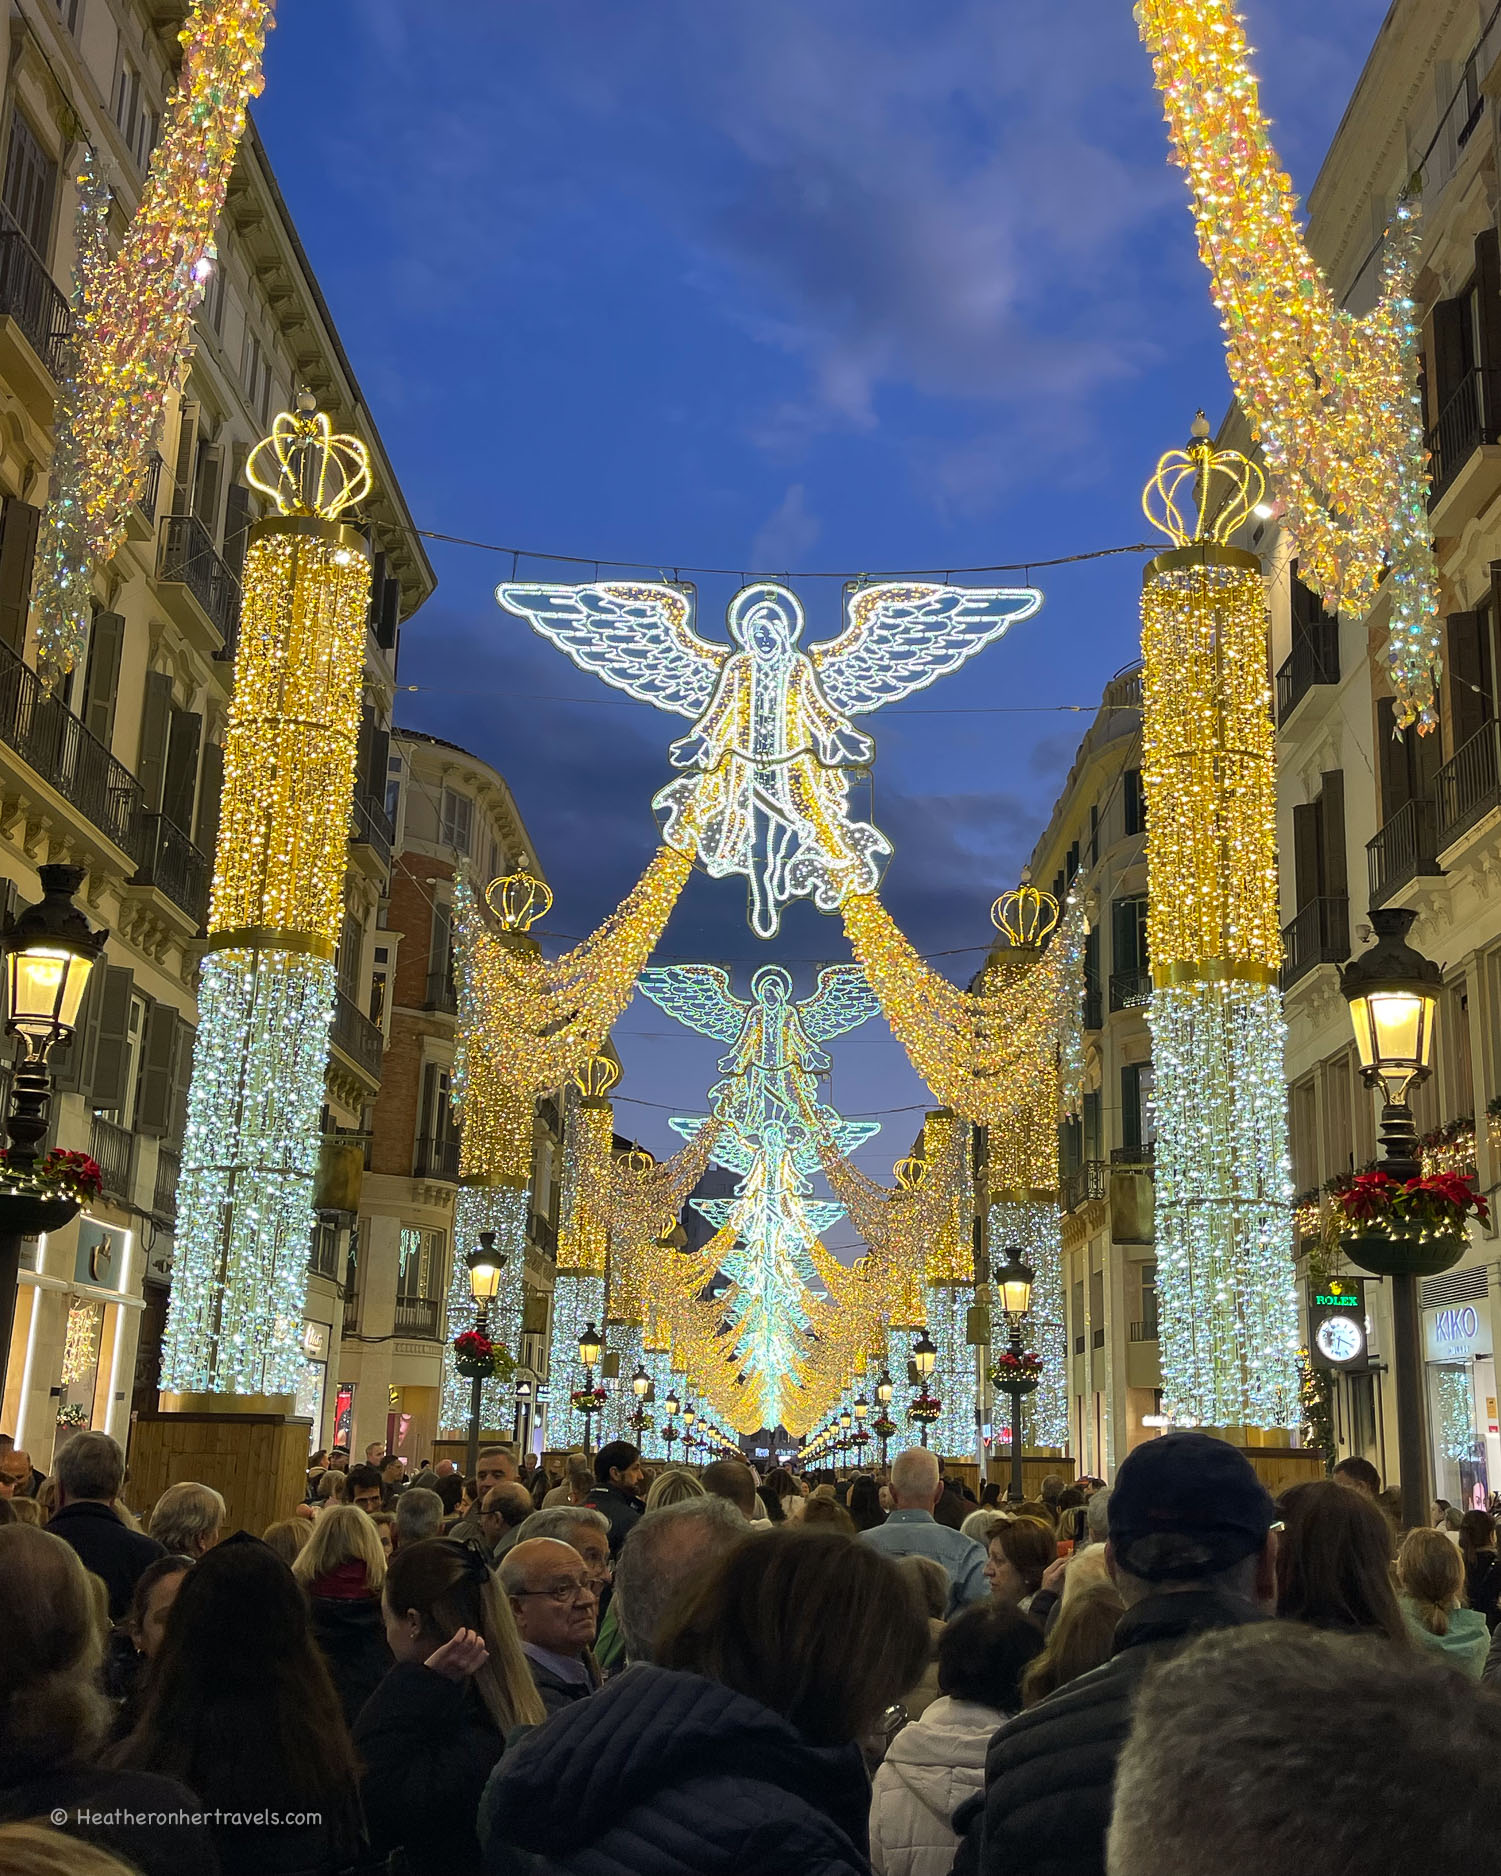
<point x="619" y="1508"/>
<point x="351" y="1634"/>
<point x="1483" y="1587"/>
<point x="107" y="1547"/>
<point x="427" y="1745"/>
<point x="154" y="1849"/>
<point x="556" y="1692"/>
<point x="668" y="1774"/>
<point x="1050" y="1772"/>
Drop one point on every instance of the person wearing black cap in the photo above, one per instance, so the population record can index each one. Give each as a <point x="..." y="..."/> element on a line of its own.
<point x="1191" y="1549"/>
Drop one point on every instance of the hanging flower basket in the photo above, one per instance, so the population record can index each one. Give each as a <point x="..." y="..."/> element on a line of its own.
<point x="588" y="1400"/>
<point x="75" y="1415"/>
<point x="924" y="1412"/>
<point x="884" y="1428"/>
<point x="1014" y="1373"/>
<point x="860" y="1437"/>
<point x="47" y="1195"/>
<point x="1414" y="1229"/>
<point x="474" y="1355"/>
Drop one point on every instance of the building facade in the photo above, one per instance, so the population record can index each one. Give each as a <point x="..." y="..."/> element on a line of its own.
<point x="119" y="769"/>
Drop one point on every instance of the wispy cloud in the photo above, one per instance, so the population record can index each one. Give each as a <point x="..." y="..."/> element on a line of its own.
<point x="787" y="535"/>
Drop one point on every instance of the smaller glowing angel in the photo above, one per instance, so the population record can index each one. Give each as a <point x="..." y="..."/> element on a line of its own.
<point x="768" y="763"/>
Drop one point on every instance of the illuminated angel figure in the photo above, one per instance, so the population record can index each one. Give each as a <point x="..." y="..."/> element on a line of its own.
<point x="767" y="765"/>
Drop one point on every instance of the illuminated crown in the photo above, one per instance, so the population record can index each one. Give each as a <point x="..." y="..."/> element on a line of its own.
<point x="1027" y="916"/>
<point x="305" y="468"/>
<point x="596" y="1078"/>
<point x="518" y="900"/>
<point x="1226" y="487"/>
<point x="638" y="1162"/>
<point x="911" y="1172"/>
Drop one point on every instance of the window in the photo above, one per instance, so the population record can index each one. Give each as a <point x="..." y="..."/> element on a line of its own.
<point x="67" y="12"/>
<point x="255" y="373"/>
<point x="30" y="176"/>
<point x="130" y="1080"/>
<point x="1148" y="1317"/>
<point x="379" y="977"/>
<point x="213" y="298"/>
<point x="458" y="821"/>
<point x="393" y="788"/>
<point x="1133" y="802"/>
<point x="137" y="123"/>
<point x="1138" y="1117"/>
<point x="419" y="1267"/>
<point x="347" y="961"/>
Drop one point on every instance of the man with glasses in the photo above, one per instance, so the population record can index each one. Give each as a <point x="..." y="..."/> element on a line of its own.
<point x="556" y="1605"/>
<point x="502" y="1512"/>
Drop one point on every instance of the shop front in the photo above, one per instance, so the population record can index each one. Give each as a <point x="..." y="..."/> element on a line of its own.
<point x="1462" y="1419"/>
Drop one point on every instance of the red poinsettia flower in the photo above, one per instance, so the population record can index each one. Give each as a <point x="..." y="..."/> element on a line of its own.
<point x="472" y="1346"/>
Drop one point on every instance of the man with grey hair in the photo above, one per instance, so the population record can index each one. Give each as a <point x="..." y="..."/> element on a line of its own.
<point x="89" y="1472"/>
<point x="419" y="1514"/>
<point x="1097" y="1517"/>
<point x="1228" y="1767"/>
<point x="911" y="1530"/>
<point x="661" y="1556"/>
<point x="580" y="1526"/>
<point x="188" y="1519"/>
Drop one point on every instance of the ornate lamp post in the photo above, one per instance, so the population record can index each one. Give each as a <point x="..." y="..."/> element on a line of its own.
<point x="49" y="951"/>
<point x="485" y="1264"/>
<point x="670" y="1407"/>
<point x="924" y="1358"/>
<point x="641" y="1387"/>
<point x="690" y="1418"/>
<point x="1013" y="1280"/>
<point x="862" y="1437"/>
<point x="885" y="1388"/>
<point x="1393" y="991"/>
<point x="590" y="1350"/>
<point x="846" y="1421"/>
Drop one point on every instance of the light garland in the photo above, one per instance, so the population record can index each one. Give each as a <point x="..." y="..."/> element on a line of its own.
<point x="503" y="1210"/>
<point x="81" y="1340"/>
<point x="266" y="995"/>
<point x="1228" y="1318"/>
<point x="772" y="752"/>
<point x="135" y="317"/>
<point x="1035" y="1226"/>
<point x="1333" y="400"/>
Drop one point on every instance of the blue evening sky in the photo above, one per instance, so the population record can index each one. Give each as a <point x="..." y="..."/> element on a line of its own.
<point x="843" y="285"/>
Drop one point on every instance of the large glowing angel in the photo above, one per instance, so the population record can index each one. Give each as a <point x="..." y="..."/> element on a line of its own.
<point x="768" y="763"/>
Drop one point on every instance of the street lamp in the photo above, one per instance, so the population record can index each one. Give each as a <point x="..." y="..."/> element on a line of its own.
<point x="484" y="1264"/>
<point x="1393" y="993"/>
<point x="885" y="1388"/>
<point x="924" y="1360"/>
<point x="590" y="1350"/>
<point x="50" y="948"/>
<point x="846" y="1421"/>
<point x="1013" y="1280"/>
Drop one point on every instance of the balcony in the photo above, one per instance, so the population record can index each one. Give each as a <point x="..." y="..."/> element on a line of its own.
<point x="1144" y="1331"/>
<point x="436" y="1159"/>
<point x="164" y="1193"/>
<point x="174" y="866"/>
<point x="355" y="1034"/>
<point x="35" y="323"/>
<point x="54" y="743"/>
<point x="1130" y="990"/>
<point x="140" y="523"/>
<point x="1085" y="1183"/>
<point x="419" y="1315"/>
<point x="113" y="1147"/>
<point x="441" y="994"/>
<point x="323" y="1252"/>
<point x="1320" y="934"/>
<point x="1123" y="692"/>
<point x="1467" y="421"/>
<point x="198" y="589"/>
<point x="1140" y="1155"/>
<point x="370" y="826"/>
<point x="1405" y="849"/>
<point x="1314" y="660"/>
<point x="1468" y="786"/>
<point x="543" y="1234"/>
<point x="1090" y="1016"/>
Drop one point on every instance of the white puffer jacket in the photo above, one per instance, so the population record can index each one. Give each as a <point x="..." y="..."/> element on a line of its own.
<point x="930" y="1769"/>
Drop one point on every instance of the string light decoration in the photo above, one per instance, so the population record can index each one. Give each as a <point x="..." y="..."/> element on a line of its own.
<point x="973" y="1048"/>
<point x="1035" y="1226"/>
<point x="1228" y="1319"/>
<point x="768" y="1090"/>
<point x="580" y="1289"/>
<point x="768" y="764"/>
<point x="134" y="317"/>
<point x="1333" y="400"/>
<point x="81" y="1341"/>
<point x="266" y="996"/>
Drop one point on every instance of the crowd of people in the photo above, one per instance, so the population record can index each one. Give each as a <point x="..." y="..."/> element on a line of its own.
<point x="596" y="1666"/>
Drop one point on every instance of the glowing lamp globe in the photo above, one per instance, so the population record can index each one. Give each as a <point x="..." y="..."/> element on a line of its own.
<point x="845" y="1420"/>
<point x="690" y="1414"/>
<point x="485" y="1264"/>
<point x="590" y="1346"/>
<point x="641" y="1384"/>
<point x="49" y="952"/>
<point x="1014" y="1280"/>
<point x="885" y="1388"/>
<point x="862" y="1409"/>
<point x="924" y="1355"/>
<point x="1392" y="991"/>
<point x="671" y="1406"/>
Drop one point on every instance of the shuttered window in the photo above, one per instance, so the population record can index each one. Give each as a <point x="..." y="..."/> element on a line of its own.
<point x="30" y="183"/>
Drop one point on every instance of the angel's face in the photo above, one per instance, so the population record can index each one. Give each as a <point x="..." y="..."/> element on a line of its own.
<point x="771" y="987"/>
<point x="766" y="620"/>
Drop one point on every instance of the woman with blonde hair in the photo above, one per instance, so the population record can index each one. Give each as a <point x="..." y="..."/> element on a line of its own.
<point x="431" y="1733"/>
<point x="188" y="1519"/>
<point x="671" y="1487"/>
<point x="287" y="1537"/>
<point x="53" y="1716"/>
<point x="343" y="1569"/>
<point x="1431" y="1578"/>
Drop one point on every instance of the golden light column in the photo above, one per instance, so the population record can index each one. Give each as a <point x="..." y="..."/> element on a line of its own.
<point x="234" y="1324"/>
<point x="1224" y="1230"/>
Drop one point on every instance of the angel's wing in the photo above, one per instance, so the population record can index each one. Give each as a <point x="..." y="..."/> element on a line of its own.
<point x="843" y="1000"/>
<point x="903" y="634"/>
<point x="698" y="996"/>
<point x="638" y="638"/>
